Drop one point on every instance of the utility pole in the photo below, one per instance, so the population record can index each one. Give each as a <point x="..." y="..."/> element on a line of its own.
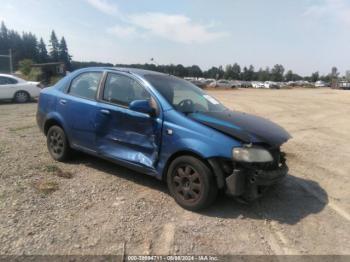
<point x="10" y="60"/>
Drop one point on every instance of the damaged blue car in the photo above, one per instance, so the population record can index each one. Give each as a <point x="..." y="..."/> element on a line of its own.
<point x="165" y="127"/>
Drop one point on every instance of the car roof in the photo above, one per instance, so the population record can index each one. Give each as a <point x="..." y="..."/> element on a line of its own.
<point x="8" y="75"/>
<point x="136" y="71"/>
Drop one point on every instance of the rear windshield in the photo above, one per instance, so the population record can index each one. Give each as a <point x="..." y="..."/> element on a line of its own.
<point x="183" y="95"/>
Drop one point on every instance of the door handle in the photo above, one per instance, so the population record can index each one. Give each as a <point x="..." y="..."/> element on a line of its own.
<point x="105" y="112"/>
<point x="63" y="101"/>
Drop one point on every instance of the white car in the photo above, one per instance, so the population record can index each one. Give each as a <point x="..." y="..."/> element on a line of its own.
<point x="320" y="84"/>
<point x="258" y="84"/>
<point x="17" y="89"/>
<point x="271" y="85"/>
<point x="222" y="83"/>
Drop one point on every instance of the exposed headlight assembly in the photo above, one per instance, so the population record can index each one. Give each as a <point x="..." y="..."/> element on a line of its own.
<point x="251" y="155"/>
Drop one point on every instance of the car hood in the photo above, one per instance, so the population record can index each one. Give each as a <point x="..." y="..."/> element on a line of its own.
<point x="244" y="127"/>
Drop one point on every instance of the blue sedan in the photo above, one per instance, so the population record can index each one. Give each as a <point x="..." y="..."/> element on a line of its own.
<point x="165" y="127"/>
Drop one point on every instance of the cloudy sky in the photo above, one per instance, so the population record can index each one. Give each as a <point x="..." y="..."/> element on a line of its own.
<point x="303" y="35"/>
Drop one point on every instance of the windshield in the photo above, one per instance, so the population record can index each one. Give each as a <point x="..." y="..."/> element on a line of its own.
<point x="184" y="96"/>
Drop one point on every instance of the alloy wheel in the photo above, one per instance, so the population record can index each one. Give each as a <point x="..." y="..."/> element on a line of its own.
<point x="56" y="142"/>
<point x="187" y="183"/>
<point x="22" y="97"/>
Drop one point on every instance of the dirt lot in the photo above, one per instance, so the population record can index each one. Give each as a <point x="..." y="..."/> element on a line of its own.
<point x="90" y="206"/>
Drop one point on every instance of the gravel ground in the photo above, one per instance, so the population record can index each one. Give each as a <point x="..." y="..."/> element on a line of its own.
<point x="90" y="206"/>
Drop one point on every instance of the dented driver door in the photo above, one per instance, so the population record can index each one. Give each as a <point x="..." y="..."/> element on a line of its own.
<point x="121" y="133"/>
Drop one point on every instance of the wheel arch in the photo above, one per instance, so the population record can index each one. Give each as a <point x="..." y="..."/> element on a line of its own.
<point x="51" y="122"/>
<point x="211" y="163"/>
<point x="176" y="155"/>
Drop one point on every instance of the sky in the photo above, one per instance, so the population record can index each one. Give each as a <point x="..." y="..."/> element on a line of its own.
<point x="303" y="35"/>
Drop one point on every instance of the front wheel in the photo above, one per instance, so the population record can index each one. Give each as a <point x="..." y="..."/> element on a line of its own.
<point x="21" y="97"/>
<point x="191" y="183"/>
<point x="57" y="144"/>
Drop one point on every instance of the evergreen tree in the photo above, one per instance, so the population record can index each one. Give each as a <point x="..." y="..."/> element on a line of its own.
<point x="289" y="76"/>
<point x="264" y="75"/>
<point x="4" y="39"/>
<point x="248" y="74"/>
<point x="54" y="47"/>
<point x="228" y="72"/>
<point x="251" y="73"/>
<point x="277" y="73"/>
<point x="180" y="70"/>
<point x="29" y="47"/>
<point x="236" y="72"/>
<point x="3" y="33"/>
<point x="26" y="46"/>
<point x="244" y="74"/>
<point x="63" y="54"/>
<point x="194" y="71"/>
<point x="214" y="72"/>
<point x="315" y="77"/>
<point x="233" y="72"/>
<point x="43" y="56"/>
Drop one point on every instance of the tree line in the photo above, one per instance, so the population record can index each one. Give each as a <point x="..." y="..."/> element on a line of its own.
<point x="232" y="72"/>
<point x="27" y="46"/>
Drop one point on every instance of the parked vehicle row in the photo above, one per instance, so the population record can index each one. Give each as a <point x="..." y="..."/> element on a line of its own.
<point x="344" y="85"/>
<point x="224" y="83"/>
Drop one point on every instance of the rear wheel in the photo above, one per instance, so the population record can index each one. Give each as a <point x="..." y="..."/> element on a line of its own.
<point x="191" y="183"/>
<point x="21" y="97"/>
<point x="57" y="143"/>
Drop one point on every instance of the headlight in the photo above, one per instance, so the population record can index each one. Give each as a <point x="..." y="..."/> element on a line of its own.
<point x="251" y="155"/>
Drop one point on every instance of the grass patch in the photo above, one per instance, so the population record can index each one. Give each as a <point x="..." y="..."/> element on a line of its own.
<point x="2" y="150"/>
<point x="20" y="187"/>
<point x="46" y="186"/>
<point x="67" y="175"/>
<point x="14" y="129"/>
<point x="52" y="168"/>
<point x="55" y="170"/>
<point x="2" y="196"/>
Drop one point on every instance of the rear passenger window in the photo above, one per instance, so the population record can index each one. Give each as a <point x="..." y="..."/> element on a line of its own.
<point x="122" y="90"/>
<point x="7" y="81"/>
<point x="85" y="85"/>
<point x="3" y="81"/>
<point x="12" y="81"/>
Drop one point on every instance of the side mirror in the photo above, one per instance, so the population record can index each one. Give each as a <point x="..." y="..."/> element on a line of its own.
<point x="142" y="106"/>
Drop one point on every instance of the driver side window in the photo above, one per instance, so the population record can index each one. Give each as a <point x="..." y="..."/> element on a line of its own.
<point x="189" y="101"/>
<point x="122" y="90"/>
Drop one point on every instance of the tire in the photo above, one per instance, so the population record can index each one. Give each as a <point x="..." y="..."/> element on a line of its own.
<point x="191" y="183"/>
<point x="21" y="97"/>
<point x="57" y="144"/>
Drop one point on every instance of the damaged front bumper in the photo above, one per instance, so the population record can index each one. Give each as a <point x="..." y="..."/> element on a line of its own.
<point x="248" y="181"/>
<point x="251" y="183"/>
